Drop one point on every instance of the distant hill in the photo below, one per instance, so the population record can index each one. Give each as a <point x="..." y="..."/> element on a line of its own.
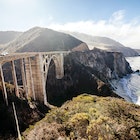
<point x="39" y="39"/>
<point x="7" y="36"/>
<point x="42" y="39"/>
<point x="137" y="50"/>
<point x="104" y="43"/>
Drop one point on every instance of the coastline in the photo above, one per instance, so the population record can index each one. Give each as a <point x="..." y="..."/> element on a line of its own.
<point x="128" y="86"/>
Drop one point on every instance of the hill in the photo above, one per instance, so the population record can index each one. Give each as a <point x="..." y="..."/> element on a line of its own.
<point x="104" y="43"/>
<point x="7" y="36"/>
<point x="89" y="117"/>
<point x="138" y="50"/>
<point x="42" y="40"/>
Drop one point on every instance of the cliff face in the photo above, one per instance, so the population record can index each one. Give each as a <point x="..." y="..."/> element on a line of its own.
<point x="105" y="65"/>
<point x="88" y="72"/>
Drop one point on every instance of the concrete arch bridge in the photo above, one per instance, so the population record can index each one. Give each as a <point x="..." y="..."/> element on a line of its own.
<point x="34" y="70"/>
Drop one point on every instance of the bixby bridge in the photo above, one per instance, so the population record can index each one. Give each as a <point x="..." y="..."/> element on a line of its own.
<point x="34" y="70"/>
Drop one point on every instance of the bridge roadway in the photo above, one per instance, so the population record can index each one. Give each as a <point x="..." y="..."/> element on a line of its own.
<point x="15" y="56"/>
<point x="34" y="69"/>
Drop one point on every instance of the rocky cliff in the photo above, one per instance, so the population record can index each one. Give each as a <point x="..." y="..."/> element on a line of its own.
<point x="88" y="72"/>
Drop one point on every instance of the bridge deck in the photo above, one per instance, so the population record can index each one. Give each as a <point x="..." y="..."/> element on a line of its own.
<point x="16" y="56"/>
<point x="33" y="72"/>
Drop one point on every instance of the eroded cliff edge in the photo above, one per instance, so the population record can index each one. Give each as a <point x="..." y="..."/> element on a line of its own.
<point x="86" y="72"/>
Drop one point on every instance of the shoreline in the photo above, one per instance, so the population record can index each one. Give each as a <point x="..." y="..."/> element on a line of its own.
<point x="127" y="88"/>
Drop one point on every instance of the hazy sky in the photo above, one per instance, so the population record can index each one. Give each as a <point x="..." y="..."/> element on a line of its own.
<point x="117" y="19"/>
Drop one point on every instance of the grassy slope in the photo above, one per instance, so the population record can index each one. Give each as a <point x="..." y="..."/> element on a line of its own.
<point x="89" y="117"/>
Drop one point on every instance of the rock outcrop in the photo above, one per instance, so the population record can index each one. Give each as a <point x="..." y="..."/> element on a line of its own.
<point x="88" y="72"/>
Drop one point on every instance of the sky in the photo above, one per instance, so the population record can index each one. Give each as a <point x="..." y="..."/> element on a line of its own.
<point x="117" y="19"/>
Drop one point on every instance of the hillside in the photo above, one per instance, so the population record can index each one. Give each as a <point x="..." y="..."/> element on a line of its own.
<point x="7" y="36"/>
<point x="27" y="115"/>
<point x="104" y="43"/>
<point x="138" y="50"/>
<point x="89" y="117"/>
<point x="42" y="40"/>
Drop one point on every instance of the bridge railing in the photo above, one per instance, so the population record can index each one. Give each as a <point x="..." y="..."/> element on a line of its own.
<point x="16" y="56"/>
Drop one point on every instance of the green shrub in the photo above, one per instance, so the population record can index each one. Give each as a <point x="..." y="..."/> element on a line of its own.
<point x="100" y="129"/>
<point x="85" y="98"/>
<point x="78" y="124"/>
<point x="97" y="118"/>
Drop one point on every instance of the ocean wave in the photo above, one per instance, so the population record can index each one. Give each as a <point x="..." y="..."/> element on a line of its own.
<point x="128" y="88"/>
<point x="138" y="100"/>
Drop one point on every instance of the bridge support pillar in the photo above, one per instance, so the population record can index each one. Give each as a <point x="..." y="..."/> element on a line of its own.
<point x="23" y="75"/>
<point x="3" y="85"/>
<point x="29" y="79"/>
<point x="59" y="66"/>
<point x="15" y="78"/>
<point x="38" y="78"/>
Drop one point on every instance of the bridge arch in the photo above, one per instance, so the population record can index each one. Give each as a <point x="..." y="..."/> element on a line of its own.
<point x="34" y="71"/>
<point x="58" y="61"/>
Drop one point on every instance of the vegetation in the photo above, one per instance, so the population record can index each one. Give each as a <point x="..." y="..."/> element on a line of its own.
<point x="88" y="117"/>
<point x="26" y="115"/>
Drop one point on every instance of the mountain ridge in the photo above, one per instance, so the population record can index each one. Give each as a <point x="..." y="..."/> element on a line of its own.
<point x="43" y="39"/>
<point x="104" y="43"/>
<point x="7" y="36"/>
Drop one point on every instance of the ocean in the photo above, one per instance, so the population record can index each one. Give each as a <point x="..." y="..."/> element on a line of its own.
<point x="128" y="87"/>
